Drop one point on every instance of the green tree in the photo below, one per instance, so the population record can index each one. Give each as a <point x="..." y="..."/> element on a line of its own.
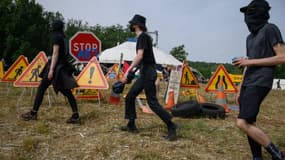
<point x="25" y="29"/>
<point x="179" y="53"/>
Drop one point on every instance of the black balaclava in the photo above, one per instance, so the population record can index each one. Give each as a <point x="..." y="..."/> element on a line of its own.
<point x="256" y="15"/>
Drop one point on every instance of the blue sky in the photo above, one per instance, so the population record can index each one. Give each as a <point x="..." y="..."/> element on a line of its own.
<point x="211" y="30"/>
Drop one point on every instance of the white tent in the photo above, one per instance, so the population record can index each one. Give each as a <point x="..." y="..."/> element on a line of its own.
<point x="112" y="55"/>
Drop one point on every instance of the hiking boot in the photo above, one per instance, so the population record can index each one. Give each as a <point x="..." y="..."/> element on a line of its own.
<point x="74" y="119"/>
<point x="29" y="116"/>
<point x="132" y="129"/>
<point x="172" y="133"/>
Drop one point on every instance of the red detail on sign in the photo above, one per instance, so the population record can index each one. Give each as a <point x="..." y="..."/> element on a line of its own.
<point x="84" y="45"/>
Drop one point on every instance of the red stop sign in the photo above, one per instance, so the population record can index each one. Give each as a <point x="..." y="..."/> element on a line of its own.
<point x="84" y="45"/>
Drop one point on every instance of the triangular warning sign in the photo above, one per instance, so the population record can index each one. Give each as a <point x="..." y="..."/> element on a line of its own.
<point x="113" y="73"/>
<point x="188" y="79"/>
<point x="220" y="74"/>
<point x="30" y="77"/>
<point x="92" y="77"/>
<point x="1" y="70"/>
<point x="16" y="69"/>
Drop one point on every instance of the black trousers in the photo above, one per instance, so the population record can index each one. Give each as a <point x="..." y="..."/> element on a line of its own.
<point x="45" y="83"/>
<point x="145" y="82"/>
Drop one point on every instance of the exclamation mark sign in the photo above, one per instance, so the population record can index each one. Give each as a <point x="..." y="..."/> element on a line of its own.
<point x="91" y="74"/>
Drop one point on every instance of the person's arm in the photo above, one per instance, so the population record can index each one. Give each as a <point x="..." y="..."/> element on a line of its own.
<point x="135" y="62"/>
<point x="54" y="59"/>
<point x="279" y="58"/>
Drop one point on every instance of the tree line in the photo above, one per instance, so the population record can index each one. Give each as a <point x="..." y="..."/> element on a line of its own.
<point x="25" y="30"/>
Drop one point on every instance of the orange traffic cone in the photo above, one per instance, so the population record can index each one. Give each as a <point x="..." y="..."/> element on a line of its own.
<point x="221" y="97"/>
<point x="170" y="101"/>
<point x="114" y="98"/>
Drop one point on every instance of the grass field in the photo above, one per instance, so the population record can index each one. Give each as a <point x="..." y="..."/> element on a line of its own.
<point x="99" y="136"/>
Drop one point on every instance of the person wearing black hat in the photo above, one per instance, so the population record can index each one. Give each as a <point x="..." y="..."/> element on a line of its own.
<point x="58" y="72"/>
<point x="146" y="81"/>
<point x="265" y="49"/>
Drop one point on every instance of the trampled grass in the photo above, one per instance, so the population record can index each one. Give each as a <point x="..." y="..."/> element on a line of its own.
<point x="99" y="136"/>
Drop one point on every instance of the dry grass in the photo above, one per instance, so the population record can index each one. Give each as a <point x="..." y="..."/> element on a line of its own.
<point x="99" y="136"/>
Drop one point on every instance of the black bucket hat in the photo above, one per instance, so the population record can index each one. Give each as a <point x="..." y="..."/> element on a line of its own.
<point x="138" y="20"/>
<point x="261" y="4"/>
<point x="57" y="26"/>
<point x="118" y="87"/>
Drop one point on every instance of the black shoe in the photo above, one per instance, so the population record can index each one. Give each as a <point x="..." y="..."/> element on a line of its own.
<point x="132" y="129"/>
<point x="278" y="158"/>
<point x="257" y="158"/>
<point x="29" y="116"/>
<point x="172" y="133"/>
<point x="73" y="120"/>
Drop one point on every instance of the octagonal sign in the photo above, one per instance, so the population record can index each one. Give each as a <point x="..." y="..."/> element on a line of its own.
<point x="84" y="45"/>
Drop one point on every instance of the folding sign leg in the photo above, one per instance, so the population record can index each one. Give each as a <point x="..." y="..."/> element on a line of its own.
<point x="32" y="93"/>
<point x="2" y="90"/>
<point x="99" y="101"/>
<point x="49" y="99"/>
<point x="8" y="88"/>
<point x="53" y="96"/>
<point x="20" y="99"/>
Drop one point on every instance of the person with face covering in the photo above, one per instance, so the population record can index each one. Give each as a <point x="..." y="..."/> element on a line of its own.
<point x="146" y="81"/>
<point x="58" y="72"/>
<point x="265" y="50"/>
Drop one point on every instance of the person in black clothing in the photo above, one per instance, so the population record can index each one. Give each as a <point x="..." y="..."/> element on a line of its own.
<point x="58" y="72"/>
<point x="146" y="81"/>
<point x="265" y="49"/>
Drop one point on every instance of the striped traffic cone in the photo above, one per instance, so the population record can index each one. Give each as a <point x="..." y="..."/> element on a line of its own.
<point x="170" y="102"/>
<point x="221" y="97"/>
<point x="114" y="98"/>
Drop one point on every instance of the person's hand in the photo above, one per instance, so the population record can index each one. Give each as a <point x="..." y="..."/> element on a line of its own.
<point x="241" y="62"/>
<point x="50" y="74"/>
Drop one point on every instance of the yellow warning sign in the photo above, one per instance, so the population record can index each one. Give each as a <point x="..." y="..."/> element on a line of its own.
<point x="236" y="78"/>
<point x="221" y="74"/>
<point x="30" y="77"/>
<point x="87" y="94"/>
<point x="188" y="79"/>
<point x="114" y="74"/>
<point x="16" y="69"/>
<point x="1" y="70"/>
<point x="92" y="77"/>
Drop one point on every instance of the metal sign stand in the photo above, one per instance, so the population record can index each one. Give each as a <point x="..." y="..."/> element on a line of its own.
<point x="20" y="99"/>
<point x="8" y="88"/>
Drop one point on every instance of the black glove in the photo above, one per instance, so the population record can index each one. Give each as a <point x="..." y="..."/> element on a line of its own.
<point x="130" y="76"/>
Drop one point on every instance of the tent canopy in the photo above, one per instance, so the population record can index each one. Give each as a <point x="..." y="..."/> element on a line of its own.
<point x="112" y="55"/>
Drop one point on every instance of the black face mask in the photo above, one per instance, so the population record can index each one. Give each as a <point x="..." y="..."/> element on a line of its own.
<point x="256" y="18"/>
<point x="132" y="29"/>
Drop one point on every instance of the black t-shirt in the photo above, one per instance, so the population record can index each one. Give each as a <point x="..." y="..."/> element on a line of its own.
<point x="261" y="45"/>
<point x="58" y="39"/>
<point x="144" y="42"/>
